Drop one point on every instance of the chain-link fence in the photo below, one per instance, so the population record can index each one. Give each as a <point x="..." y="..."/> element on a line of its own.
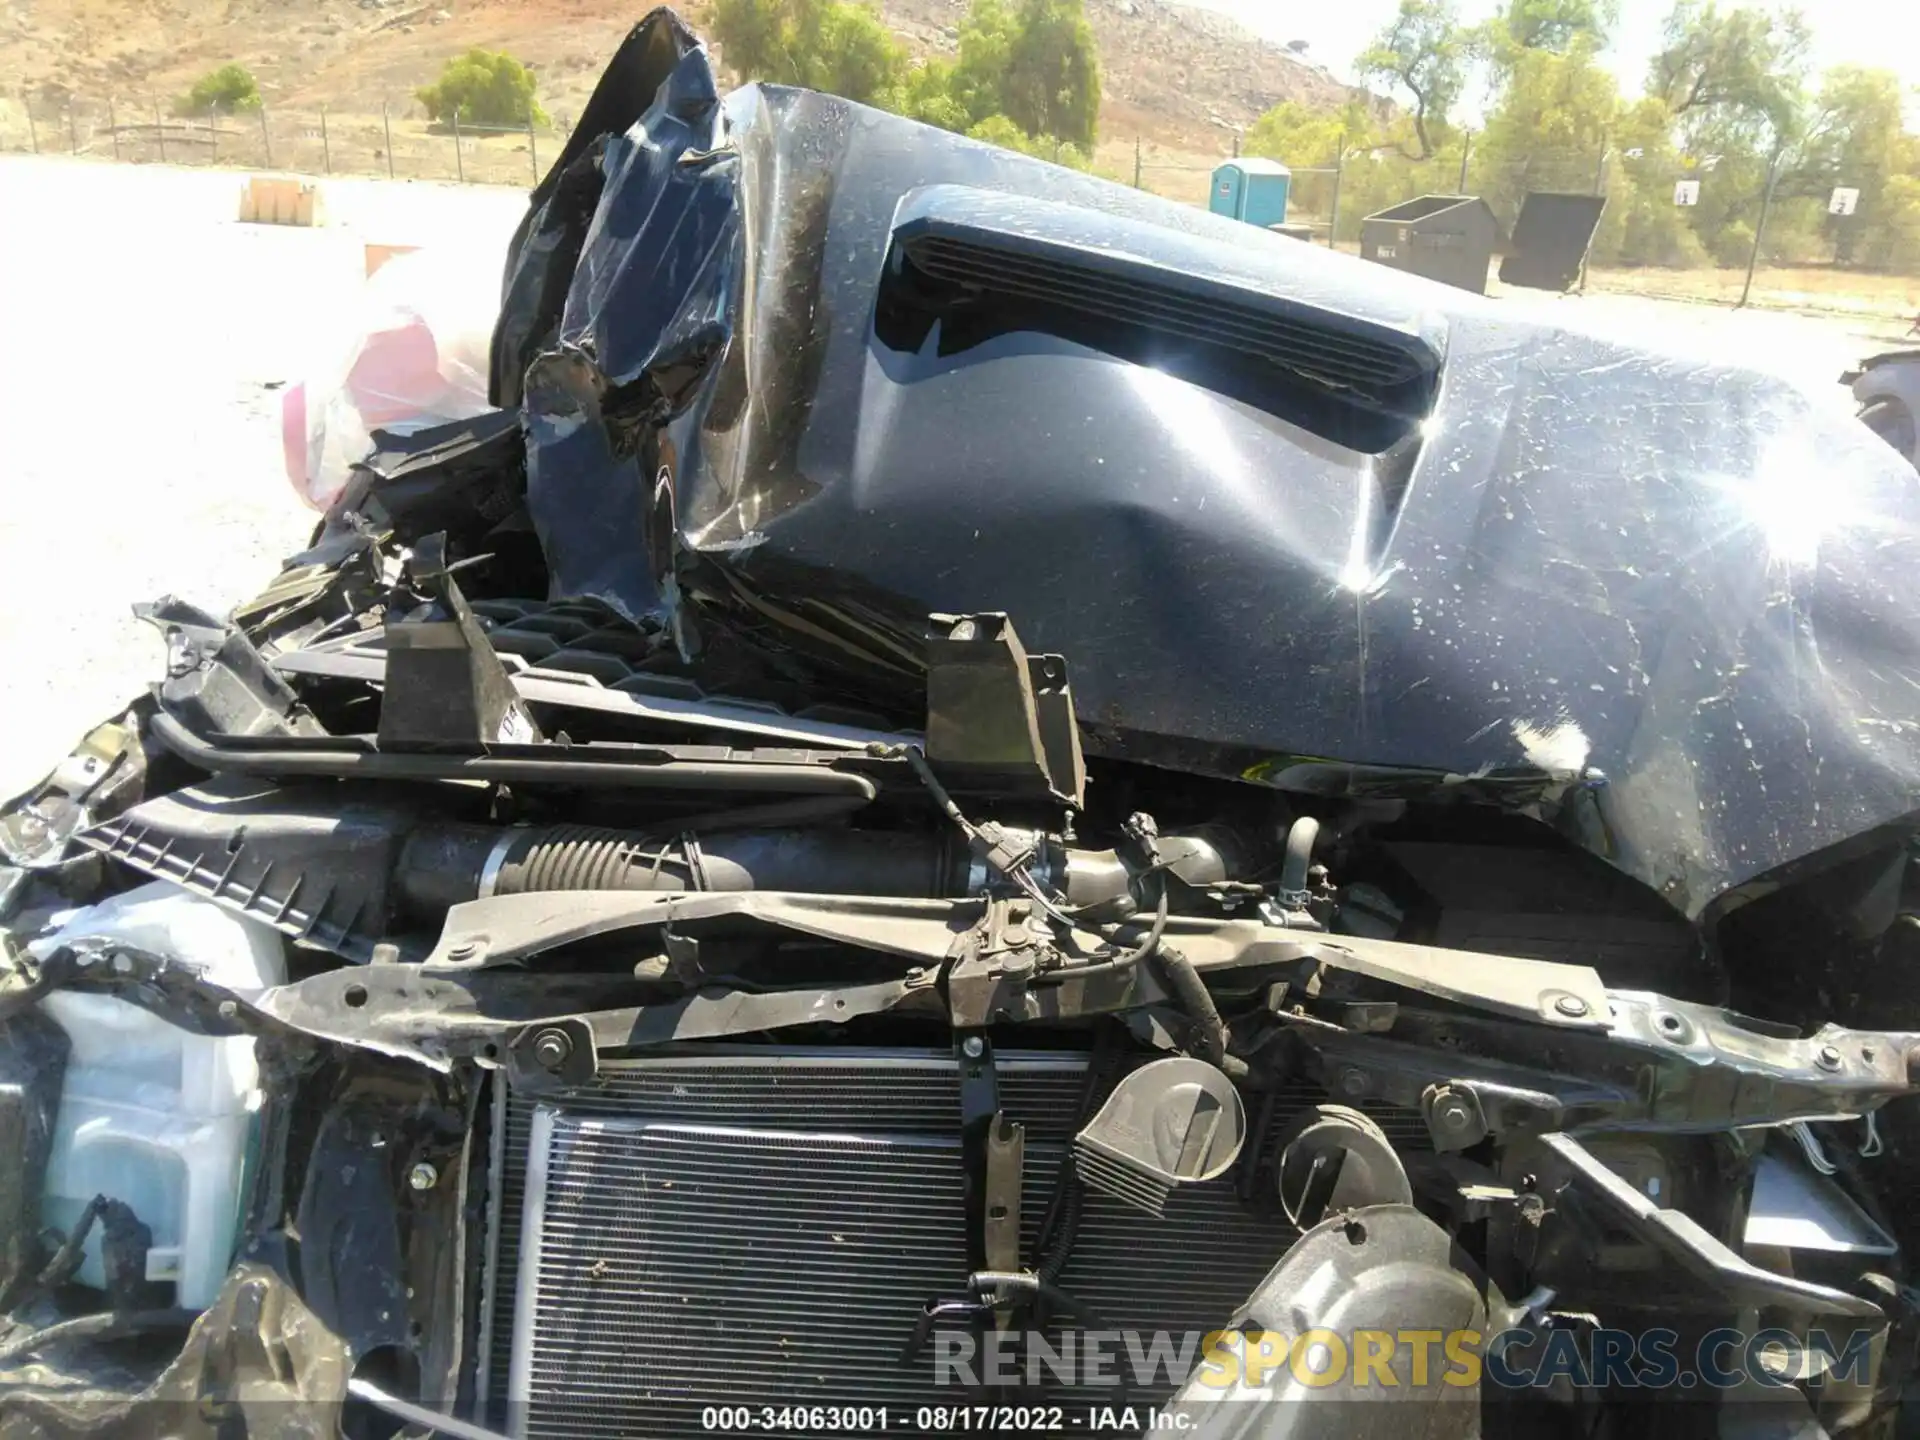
<point x="392" y="142"/>
<point x="1725" y="230"/>
<point x="1332" y="199"/>
<point x="1695" y="228"/>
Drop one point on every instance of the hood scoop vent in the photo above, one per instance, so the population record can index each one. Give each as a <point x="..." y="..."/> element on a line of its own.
<point x="1189" y="305"/>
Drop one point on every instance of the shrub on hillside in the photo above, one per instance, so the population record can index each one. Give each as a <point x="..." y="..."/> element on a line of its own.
<point x="227" y="91"/>
<point x="483" y="87"/>
<point x="999" y="130"/>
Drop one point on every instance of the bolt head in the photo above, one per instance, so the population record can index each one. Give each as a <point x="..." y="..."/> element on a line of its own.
<point x="1352" y="1082"/>
<point x="423" y="1177"/>
<point x="1572" y="1006"/>
<point x="974" y="1047"/>
<point x="1828" y="1058"/>
<point x="1451" y="1111"/>
<point x="552" y="1049"/>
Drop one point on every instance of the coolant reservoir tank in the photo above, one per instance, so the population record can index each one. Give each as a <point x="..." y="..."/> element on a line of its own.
<point x="151" y="1114"/>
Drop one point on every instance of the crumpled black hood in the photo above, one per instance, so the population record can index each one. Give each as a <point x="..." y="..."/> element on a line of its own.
<point x="805" y="372"/>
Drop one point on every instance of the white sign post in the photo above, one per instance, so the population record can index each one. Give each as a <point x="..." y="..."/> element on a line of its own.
<point x="1844" y="200"/>
<point x="1686" y="192"/>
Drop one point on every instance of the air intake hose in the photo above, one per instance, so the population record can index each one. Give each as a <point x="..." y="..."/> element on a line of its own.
<point x="444" y="865"/>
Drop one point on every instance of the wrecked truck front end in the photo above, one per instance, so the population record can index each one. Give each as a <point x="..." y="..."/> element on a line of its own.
<point x="989" y="804"/>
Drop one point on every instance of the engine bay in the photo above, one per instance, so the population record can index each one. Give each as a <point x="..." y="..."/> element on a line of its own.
<point x="624" y="1087"/>
<point x="669" y="917"/>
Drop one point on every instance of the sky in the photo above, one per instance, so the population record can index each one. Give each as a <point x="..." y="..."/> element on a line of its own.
<point x="1881" y="33"/>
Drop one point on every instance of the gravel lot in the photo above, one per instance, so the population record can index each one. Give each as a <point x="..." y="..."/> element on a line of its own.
<point x="141" y="331"/>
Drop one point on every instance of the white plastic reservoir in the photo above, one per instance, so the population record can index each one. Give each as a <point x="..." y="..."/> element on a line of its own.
<point x="151" y="1114"/>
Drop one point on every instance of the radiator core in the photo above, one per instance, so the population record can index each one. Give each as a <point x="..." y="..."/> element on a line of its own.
<point x="759" y="1227"/>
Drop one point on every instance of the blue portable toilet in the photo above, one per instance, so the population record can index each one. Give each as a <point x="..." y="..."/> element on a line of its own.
<point x="1251" y="189"/>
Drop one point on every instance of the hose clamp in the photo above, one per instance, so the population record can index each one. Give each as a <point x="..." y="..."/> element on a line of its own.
<point x="496" y="858"/>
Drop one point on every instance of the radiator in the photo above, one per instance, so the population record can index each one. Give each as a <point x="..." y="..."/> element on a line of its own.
<point x="751" y="1227"/>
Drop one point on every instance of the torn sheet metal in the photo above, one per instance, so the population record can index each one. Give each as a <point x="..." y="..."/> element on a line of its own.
<point x="1667" y="603"/>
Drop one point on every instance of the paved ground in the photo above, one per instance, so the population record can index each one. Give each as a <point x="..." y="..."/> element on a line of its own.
<point x="140" y="331"/>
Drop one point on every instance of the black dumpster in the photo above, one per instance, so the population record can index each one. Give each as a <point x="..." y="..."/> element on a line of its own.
<point x="1443" y="237"/>
<point x="1550" y="239"/>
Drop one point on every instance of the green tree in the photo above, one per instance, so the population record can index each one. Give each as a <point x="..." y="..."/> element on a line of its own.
<point x="483" y="87"/>
<point x="227" y="91"/>
<point x="1641" y="224"/>
<point x="1854" y="136"/>
<point x="1550" y="127"/>
<point x="839" y="46"/>
<point x="1497" y="45"/>
<point x="1296" y="135"/>
<point x="1309" y="139"/>
<point x="1052" y="80"/>
<point x="1733" y="245"/>
<point x="1424" y="52"/>
<point x="1557" y="24"/>
<point x="929" y="94"/>
<point x="1034" y="67"/>
<point x="1894" y="243"/>
<point x="987" y="36"/>
<point x="1747" y="62"/>
<point x="999" y="130"/>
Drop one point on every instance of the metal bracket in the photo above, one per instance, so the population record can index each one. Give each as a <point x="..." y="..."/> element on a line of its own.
<point x="1006" y="1154"/>
<point x="979" y="1118"/>
<point x="445" y="686"/>
<point x="1691" y="1248"/>
<point x="1000" y="721"/>
<point x="553" y="1055"/>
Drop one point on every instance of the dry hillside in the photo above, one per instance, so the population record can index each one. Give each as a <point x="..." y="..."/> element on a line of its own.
<point x="1180" y="78"/>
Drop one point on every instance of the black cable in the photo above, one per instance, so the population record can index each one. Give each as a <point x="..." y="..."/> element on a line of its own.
<point x="1060" y="1226"/>
<point x="61" y="1265"/>
<point x="983" y="842"/>
<point x="1145" y="950"/>
<point x="917" y="762"/>
<point x="1210" y="1031"/>
<point x="1074" y="1198"/>
<point x="1005" y="1285"/>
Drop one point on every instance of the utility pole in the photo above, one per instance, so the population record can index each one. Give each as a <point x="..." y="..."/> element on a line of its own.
<point x="386" y="125"/>
<point x="1466" y="149"/>
<point x="1333" y="220"/>
<point x="1760" y="230"/>
<point x="1136" y="162"/>
<point x="1599" y="188"/>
